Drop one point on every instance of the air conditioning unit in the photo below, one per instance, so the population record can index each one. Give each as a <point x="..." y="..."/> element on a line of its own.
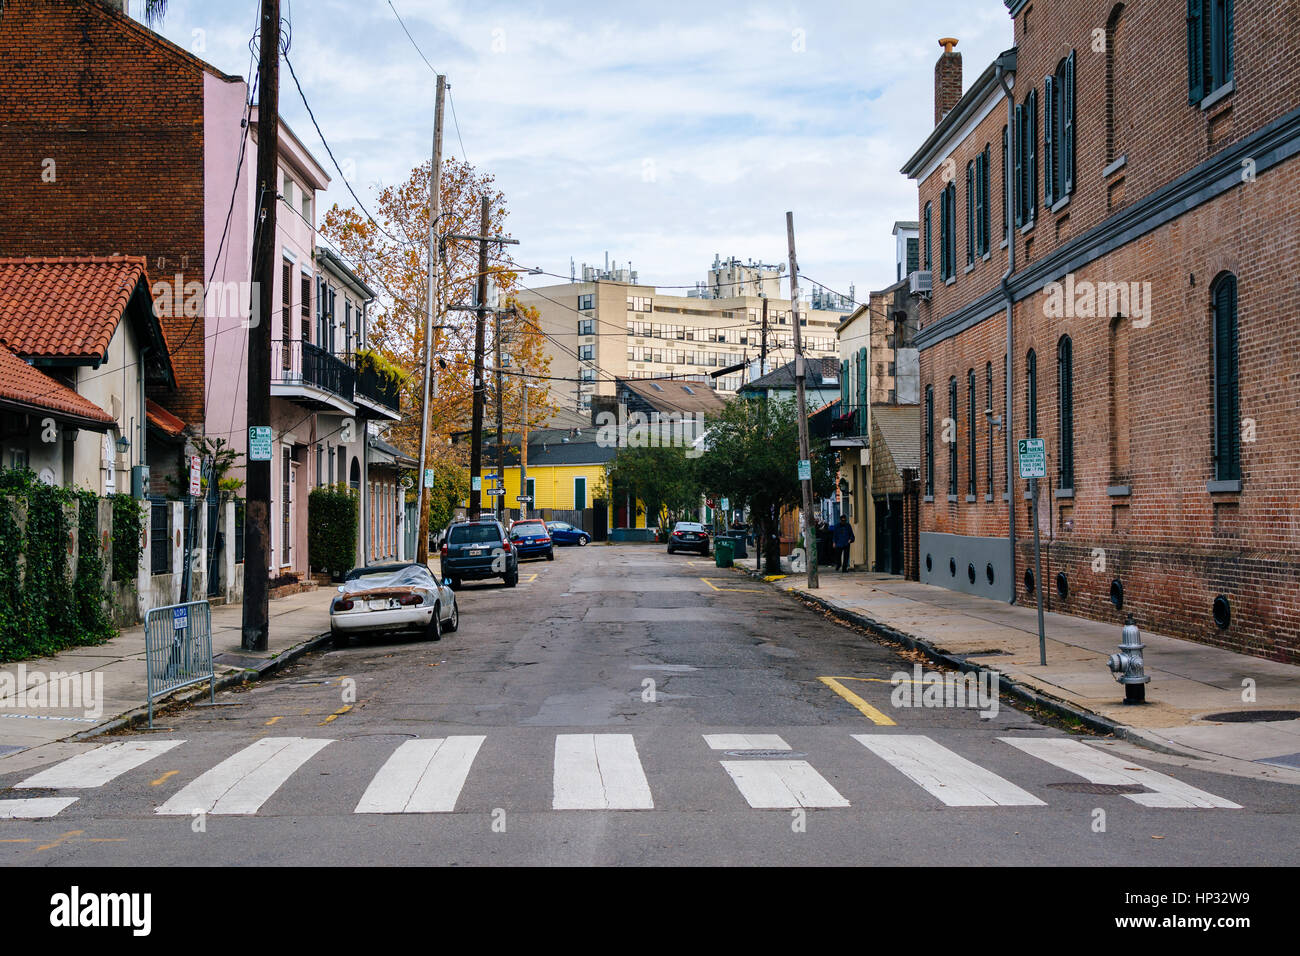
<point x="921" y="282"/>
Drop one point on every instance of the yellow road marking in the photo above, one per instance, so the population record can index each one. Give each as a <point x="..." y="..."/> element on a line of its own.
<point x="272" y="721"/>
<point x="50" y="846"/>
<point x="881" y="680"/>
<point x="18" y="840"/>
<point x="169" y="773"/>
<point x="742" y="590"/>
<point x="531" y="578"/>
<point x="338" y="713"/>
<point x="873" y="715"/>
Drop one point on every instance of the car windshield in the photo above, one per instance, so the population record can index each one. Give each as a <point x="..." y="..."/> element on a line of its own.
<point x="559" y="526"/>
<point x="528" y="527"/>
<point x="688" y="526"/>
<point x="388" y="576"/>
<point x="474" y="534"/>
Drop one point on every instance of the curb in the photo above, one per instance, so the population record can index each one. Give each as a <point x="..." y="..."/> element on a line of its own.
<point x="1016" y="689"/>
<point x="140" y="715"/>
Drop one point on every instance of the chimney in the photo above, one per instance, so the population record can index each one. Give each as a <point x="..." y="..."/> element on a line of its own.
<point x="947" y="80"/>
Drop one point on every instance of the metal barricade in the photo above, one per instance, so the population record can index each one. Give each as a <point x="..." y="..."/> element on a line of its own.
<point x="178" y="649"/>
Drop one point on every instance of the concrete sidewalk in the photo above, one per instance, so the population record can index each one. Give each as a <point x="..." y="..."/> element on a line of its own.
<point x="1189" y="681"/>
<point x="296" y="622"/>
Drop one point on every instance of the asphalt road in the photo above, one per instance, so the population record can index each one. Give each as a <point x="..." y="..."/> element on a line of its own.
<point x="621" y="706"/>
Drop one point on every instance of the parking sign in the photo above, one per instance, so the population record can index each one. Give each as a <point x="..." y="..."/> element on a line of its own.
<point x="1032" y="453"/>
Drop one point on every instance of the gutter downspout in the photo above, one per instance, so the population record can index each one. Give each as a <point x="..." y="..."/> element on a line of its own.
<point x="1007" y="65"/>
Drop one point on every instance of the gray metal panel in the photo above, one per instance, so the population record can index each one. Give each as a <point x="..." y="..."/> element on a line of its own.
<point x="963" y="551"/>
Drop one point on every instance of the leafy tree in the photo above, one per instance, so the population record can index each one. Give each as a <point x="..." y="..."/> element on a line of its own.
<point x="450" y="488"/>
<point x="333" y="515"/>
<point x="662" y="479"/>
<point x="752" y="457"/>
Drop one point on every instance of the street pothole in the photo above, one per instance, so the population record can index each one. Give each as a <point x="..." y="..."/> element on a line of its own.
<point x="1252" y="716"/>
<point x="1103" y="789"/>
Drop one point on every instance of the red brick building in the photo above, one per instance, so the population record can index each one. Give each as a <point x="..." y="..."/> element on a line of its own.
<point x="1122" y="185"/>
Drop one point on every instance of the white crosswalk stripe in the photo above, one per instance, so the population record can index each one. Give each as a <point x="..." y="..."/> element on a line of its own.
<point x="947" y="775"/>
<point x="422" y="776"/>
<point x="34" y="808"/>
<point x="240" y="784"/>
<point x="599" y="772"/>
<point x="782" y="784"/>
<point x="745" y="742"/>
<point x="1096" y="766"/>
<point x="94" y="768"/>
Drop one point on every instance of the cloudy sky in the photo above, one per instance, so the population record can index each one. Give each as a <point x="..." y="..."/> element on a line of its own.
<point x="661" y="134"/>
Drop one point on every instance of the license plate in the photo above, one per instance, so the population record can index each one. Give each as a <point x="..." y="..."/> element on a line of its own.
<point x="475" y="552"/>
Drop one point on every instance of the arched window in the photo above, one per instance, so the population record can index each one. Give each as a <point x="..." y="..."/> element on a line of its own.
<point x="929" y="441"/>
<point x="1031" y="394"/>
<point x="971" y="453"/>
<point x="988" y="395"/>
<point x="1227" y="411"/>
<point x="354" y="475"/>
<point x="1112" y="51"/>
<point x="1058" y="132"/>
<point x="1065" y="409"/>
<point x="952" y="445"/>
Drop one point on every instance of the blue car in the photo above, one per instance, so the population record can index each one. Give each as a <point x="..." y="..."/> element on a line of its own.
<point x="532" y="539"/>
<point x="564" y="533"/>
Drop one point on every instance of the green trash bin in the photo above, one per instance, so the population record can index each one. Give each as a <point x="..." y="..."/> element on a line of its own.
<point x="723" y="552"/>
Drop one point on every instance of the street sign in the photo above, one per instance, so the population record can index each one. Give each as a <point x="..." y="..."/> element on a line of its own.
<point x="428" y="477"/>
<point x="1032" y="453"/>
<point x="180" y="618"/>
<point x="259" y="443"/>
<point x="196" y="483"/>
<point x="495" y="491"/>
<point x="476" y="483"/>
<point x="726" y="504"/>
<point x="524" y="498"/>
<point x="492" y="477"/>
<point x="805" y="469"/>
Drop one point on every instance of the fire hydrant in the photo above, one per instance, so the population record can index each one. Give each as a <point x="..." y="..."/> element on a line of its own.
<point x="1127" y="664"/>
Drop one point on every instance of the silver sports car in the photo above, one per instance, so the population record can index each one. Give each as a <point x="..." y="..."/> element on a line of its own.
<point x="393" y="597"/>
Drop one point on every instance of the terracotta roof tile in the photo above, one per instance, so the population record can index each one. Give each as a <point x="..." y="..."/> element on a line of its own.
<point x="27" y="387"/>
<point x="68" y="306"/>
<point x="162" y="419"/>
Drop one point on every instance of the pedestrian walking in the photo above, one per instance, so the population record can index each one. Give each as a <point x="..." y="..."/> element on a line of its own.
<point x="843" y="538"/>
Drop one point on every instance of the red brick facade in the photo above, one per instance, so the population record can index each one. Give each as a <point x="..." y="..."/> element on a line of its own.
<point x="1143" y="386"/>
<point x="101" y="127"/>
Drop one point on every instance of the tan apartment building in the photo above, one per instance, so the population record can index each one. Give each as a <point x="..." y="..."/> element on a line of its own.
<point x="608" y="326"/>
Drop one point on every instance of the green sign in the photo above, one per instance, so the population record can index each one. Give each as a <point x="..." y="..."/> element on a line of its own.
<point x="726" y="504"/>
<point x="259" y="443"/>
<point x="1032" y="453"/>
<point x="428" y="477"/>
<point x="805" y="469"/>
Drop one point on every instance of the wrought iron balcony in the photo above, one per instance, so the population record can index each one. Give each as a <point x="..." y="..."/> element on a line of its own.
<point x="380" y="394"/>
<point x="851" y="422"/>
<point x="311" y="376"/>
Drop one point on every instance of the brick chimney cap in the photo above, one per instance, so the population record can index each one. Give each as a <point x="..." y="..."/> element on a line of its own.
<point x="948" y="43"/>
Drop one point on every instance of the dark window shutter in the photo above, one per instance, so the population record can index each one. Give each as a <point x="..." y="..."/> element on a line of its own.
<point x="1226" y="414"/>
<point x="952" y="445"/>
<point x="1065" y="397"/>
<point x="1019" y="146"/>
<point x="1031" y="157"/>
<point x="929" y="440"/>
<point x="970" y="213"/>
<point x="972" y="481"/>
<point x="864" y="390"/>
<point x="1006" y="164"/>
<point x="1049" y="141"/>
<point x="1067" y="128"/>
<point x="1227" y="41"/>
<point x="844" y="388"/>
<point x="944" y="228"/>
<point x="1195" y="50"/>
<point x="929" y="209"/>
<point x="1031" y="394"/>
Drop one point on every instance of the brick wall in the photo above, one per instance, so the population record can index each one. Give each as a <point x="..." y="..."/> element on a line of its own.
<point x="114" y="117"/>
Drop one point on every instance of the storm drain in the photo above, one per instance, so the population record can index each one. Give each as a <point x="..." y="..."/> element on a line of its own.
<point x="1102" y="789"/>
<point x="767" y="754"/>
<point x="1253" y="716"/>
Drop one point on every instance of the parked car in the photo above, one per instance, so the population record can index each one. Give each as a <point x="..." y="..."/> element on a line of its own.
<point x="564" y="533"/>
<point x="532" y="539"/>
<point x="392" y="598"/>
<point x="689" y="536"/>
<point x="479" y="549"/>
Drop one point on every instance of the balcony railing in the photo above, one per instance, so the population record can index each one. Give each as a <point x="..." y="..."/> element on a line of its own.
<point x="380" y="389"/>
<point x="309" y="365"/>
<point x="851" y="422"/>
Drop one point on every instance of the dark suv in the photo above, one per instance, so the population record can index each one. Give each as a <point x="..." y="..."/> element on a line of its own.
<point x="479" y="549"/>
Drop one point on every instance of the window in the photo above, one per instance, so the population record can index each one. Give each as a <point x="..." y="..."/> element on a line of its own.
<point x="347" y="325"/>
<point x="587" y="374"/>
<point x="1119" y="414"/>
<point x="320" y="309"/>
<point x="586" y="327"/>
<point x="1031" y="394"/>
<point x="970" y="213"/>
<point x="286" y="310"/>
<point x="586" y="301"/>
<point x="971" y="479"/>
<point x="1065" y="409"/>
<point x="1058" y="132"/>
<point x="1209" y="47"/>
<point x="1006" y="165"/>
<point x="531" y="492"/>
<point x="306" y="206"/>
<point x="579" y="493"/>
<point x="286" y="504"/>
<point x="929" y="441"/>
<point x="1026" y="150"/>
<point x="1227" y="424"/>
<point x="948" y="232"/>
<point x="913" y="255"/>
<point x="988" y="395"/>
<point x="586" y="352"/>
<point x="1112" y="43"/>
<point x="952" y="445"/>
<point x="929" y="210"/>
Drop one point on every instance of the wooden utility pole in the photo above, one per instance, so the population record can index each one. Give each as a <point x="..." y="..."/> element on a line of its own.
<point x="762" y="343"/>
<point x="435" y="206"/>
<point x="257" y="513"/>
<point x="501" y="461"/>
<point x="476" y="435"/>
<point x="523" y="451"/>
<point x="800" y="374"/>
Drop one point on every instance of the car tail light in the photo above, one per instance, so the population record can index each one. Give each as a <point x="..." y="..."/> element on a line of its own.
<point x="408" y="599"/>
<point x="506" y="546"/>
<point x="344" y="605"/>
<point x="677" y="534"/>
<point x="444" y="550"/>
<point x="546" y="540"/>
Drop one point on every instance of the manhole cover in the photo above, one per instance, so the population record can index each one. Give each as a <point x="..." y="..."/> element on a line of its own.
<point x="769" y="754"/>
<point x="1253" y="716"/>
<point x="1099" y="788"/>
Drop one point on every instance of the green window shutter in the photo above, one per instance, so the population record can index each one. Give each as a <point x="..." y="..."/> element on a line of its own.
<point x="929" y="209"/>
<point x="1019" y="179"/>
<point x="970" y="213"/>
<point x="1226" y="413"/>
<point x="1227" y="26"/>
<point x="864" y="391"/>
<point x="1195" y="50"/>
<point x="1049" y="140"/>
<point x="1031" y="144"/>
<point x="1067" y="128"/>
